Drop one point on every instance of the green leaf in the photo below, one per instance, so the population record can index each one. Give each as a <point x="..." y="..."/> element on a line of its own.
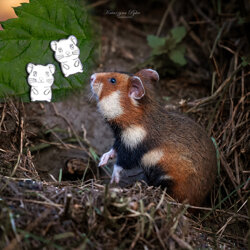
<point x="178" y="33"/>
<point x="245" y="60"/>
<point x="155" y="41"/>
<point x="177" y="55"/>
<point x="157" y="44"/>
<point x="27" y="39"/>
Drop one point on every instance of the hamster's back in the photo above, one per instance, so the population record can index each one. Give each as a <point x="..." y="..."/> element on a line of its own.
<point x="189" y="158"/>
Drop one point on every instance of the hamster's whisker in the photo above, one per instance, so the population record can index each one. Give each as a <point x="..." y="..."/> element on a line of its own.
<point x="91" y="95"/>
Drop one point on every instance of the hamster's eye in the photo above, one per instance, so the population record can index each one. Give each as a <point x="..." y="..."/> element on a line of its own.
<point x="34" y="73"/>
<point x="71" y="46"/>
<point x="47" y="73"/>
<point x="60" y="50"/>
<point x="113" y="80"/>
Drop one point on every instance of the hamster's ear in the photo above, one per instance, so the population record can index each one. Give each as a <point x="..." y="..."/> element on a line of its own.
<point x="52" y="68"/>
<point x="53" y="45"/>
<point x="30" y="67"/>
<point x="73" y="39"/>
<point x="136" y="88"/>
<point x="149" y="73"/>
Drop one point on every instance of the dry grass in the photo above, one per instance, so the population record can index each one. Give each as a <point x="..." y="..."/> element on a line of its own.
<point x="93" y="215"/>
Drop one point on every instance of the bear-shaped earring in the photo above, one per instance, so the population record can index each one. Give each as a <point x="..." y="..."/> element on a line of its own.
<point x="40" y="79"/>
<point x="67" y="54"/>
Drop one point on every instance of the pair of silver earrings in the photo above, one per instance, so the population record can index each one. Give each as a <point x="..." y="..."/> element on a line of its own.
<point x="41" y="77"/>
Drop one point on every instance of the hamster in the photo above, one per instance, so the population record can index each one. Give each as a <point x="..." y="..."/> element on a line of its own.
<point x="40" y="79"/>
<point x="172" y="149"/>
<point x="67" y="53"/>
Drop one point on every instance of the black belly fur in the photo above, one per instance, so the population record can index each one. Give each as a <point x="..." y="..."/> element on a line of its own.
<point x="131" y="158"/>
<point x="154" y="178"/>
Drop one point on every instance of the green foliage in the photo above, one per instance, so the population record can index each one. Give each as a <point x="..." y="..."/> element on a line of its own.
<point x="245" y="60"/>
<point x="168" y="52"/>
<point x="177" y="55"/>
<point x="27" y="39"/>
<point x="178" y="33"/>
<point x="156" y="43"/>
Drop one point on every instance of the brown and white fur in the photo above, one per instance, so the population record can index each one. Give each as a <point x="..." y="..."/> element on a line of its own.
<point x="173" y="150"/>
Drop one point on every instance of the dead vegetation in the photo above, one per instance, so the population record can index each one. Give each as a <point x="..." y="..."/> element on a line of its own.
<point x="87" y="214"/>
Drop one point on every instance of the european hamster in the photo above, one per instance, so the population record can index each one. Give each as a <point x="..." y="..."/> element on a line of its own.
<point x="172" y="149"/>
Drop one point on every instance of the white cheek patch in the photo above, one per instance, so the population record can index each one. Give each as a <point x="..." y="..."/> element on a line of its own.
<point x="67" y="54"/>
<point x="152" y="158"/>
<point x="110" y="106"/>
<point x="97" y="88"/>
<point x="133" y="135"/>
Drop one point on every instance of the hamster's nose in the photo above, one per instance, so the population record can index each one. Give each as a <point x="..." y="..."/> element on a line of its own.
<point x="67" y="53"/>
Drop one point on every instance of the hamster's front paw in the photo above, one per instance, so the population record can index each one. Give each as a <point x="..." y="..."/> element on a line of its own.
<point x="105" y="157"/>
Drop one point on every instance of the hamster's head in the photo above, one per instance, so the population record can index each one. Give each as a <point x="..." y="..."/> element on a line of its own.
<point x="40" y="75"/>
<point x="65" y="49"/>
<point x="121" y="94"/>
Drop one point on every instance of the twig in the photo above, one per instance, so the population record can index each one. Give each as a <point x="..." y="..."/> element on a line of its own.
<point x="21" y="147"/>
<point x="222" y="229"/>
<point x="181" y="242"/>
<point x="20" y="152"/>
<point x="48" y="200"/>
<point x="216" y="40"/>
<point x="202" y="13"/>
<point x="161" y="200"/>
<point x="70" y="125"/>
<point x="53" y="178"/>
<point x="36" y="202"/>
<point x="196" y="39"/>
<point x="13" y="244"/>
<point x="96" y="4"/>
<point x="59" y="139"/>
<point x="135" y="240"/>
<point x="67" y="205"/>
<point x="3" y="116"/>
<point x="201" y="101"/>
<point x="85" y="134"/>
<point x="164" y="17"/>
